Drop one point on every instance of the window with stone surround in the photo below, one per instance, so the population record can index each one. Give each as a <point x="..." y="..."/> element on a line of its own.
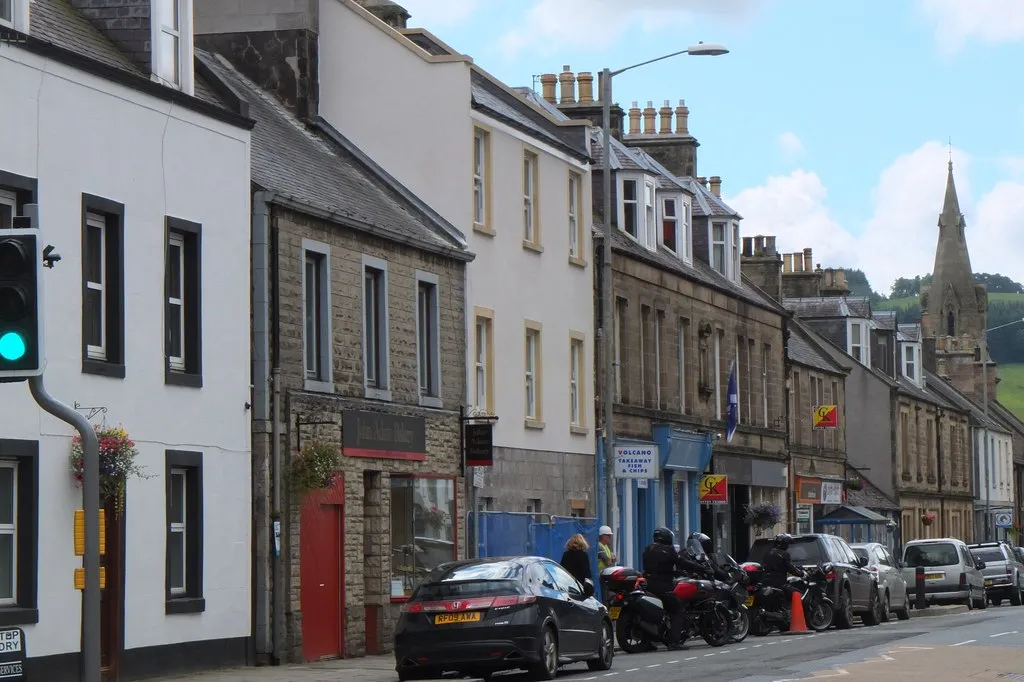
<point x="423" y="529"/>
<point x="533" y="376"/>
<point x="905" y="444"/>
<point x="376" y="346"/>
<point x="659" y="319"/>
<point x="428" y="339"/>
<point x="183" y="303"/>
<point x="531" y="186"/>
<point x="577" y="373"/>
<point x="316" y="306"/>
<point x="576" y="233"/>
<point x="102" y="287"/>
<point x="682" y="347"/>
<point x="483" y="359"/>
<point x="481" y="178"/>
<point x="766" y="354"/>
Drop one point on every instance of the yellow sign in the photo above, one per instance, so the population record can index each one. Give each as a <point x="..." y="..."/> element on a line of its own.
<point x="80" y="532"/>
<point x="714" y="488"/>
<point x="826" y="417"/>
<point x="80" y="578"/>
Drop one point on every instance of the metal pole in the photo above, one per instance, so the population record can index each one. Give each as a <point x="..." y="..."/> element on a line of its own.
<point x="607" y="343"/>
<point x="984" y="399"/>
<point x="91" y="507"/>
<point x="277" y="620"/>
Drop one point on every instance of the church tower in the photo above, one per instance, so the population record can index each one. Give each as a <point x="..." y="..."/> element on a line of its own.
<point x="954" y="306"/>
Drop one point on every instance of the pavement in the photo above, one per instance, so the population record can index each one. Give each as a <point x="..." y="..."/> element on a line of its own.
<point x="937" y="644"/>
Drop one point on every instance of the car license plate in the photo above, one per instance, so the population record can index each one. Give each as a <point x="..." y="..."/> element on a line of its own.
<point x="614" y="611"/>
<point x="467" y="617"/>
<point x="749" y="601"/>
<point x="988" y="583"/>
<point x="933" y="576"/>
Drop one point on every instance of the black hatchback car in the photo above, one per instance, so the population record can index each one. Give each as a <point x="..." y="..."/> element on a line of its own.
<point x="480" y="616"/>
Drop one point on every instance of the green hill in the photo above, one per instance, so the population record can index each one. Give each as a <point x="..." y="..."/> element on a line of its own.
<point x="1011" y="388"/>
<point x="912" y="301"/>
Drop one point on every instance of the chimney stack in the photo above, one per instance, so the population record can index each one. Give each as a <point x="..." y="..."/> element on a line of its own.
<point x="567" y="80"/>
<point x="634" y="119"/>
<point x="716" y="185"/>
<point x="833" y="282"/>
<point x="762" y="264"/>
<point x="547" y="87"/>
<point x="665" y="116"/>
<point x="586" y="81"/>
<point x="682" y="119"/>
<point x="649" y="113"/>
<point x="799" y="279"/>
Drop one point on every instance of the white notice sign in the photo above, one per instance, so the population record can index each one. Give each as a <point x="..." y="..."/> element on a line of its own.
<point x="637" y="461"/>
<point x="831" y="492"/>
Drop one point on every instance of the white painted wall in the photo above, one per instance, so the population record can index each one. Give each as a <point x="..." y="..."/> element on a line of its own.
<point x="1000" y="468"/>
<point x="77" y="133"/>
<point x="412" y="114"/>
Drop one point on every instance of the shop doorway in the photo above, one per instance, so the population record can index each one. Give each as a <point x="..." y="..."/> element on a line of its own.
<point x="322" y="573"/>
<point x="739" y="498"/>
<point x="112" y="596"/>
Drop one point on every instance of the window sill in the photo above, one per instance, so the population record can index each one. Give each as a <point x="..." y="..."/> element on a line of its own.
<point x="484" y="230"/>
<point x="577" y="430"/>
<point x="532" y="246"/>
<point x="318" y="386"/>
<point x="173" y="378"/>
<point x="533" y="424"/>
<point x="174" y="607"/>
<point x="16" y="615"/>
<point x="101" y="368"/>
<point x="431" y="401"/>
<point x="383" y="394"/>
<point x="577" y="261"/>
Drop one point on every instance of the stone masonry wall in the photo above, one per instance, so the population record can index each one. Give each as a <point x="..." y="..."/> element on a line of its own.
<point x="367" y="520"/>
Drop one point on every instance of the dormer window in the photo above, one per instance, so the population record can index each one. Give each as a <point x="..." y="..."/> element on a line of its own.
<point x="675" y="226"/>
<point x="718" y="248"/>
<point x="910" y="361"/>
<point x="14" y="14"/>
<point x="638" y="216"/>
<point x="858" y="334"/>
<point x="735" y="247"/>
<point x="172" y="43"/>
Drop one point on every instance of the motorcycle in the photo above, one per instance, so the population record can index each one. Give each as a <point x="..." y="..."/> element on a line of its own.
<point x="739" y="613"/>
<point x="641" y="620"/>
<point x="770" y="607"/>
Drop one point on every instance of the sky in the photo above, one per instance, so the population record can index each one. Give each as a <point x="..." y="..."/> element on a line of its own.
<point x="831" y="122"/>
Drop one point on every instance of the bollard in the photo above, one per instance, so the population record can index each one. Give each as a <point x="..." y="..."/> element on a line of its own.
<point x="921" y="602"/>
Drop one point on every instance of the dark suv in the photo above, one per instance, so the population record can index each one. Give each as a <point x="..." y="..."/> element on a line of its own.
<point x="851" y="587"/>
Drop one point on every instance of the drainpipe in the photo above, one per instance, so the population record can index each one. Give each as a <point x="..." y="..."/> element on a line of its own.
<point x="938" y="468"/>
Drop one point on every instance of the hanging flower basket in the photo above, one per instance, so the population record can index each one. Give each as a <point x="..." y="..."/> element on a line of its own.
<point x="762" y="515"/>
<point x="117" y="463"/>
<point x="928" y="519"/>
<point x="854" y="484"/>
<point x="313" y="468"/>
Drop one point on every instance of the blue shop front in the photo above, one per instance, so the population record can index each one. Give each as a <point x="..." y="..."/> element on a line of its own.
<point x="656" y="485"/>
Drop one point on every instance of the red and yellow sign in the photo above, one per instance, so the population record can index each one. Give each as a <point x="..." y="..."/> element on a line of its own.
<point x="826" y="417"/>
<point x="714" y="488"/>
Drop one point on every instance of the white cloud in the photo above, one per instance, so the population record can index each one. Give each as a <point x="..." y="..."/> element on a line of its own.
<point x="899" y="237"/>
<point x="790" y="145"/>
<point x="957" y="21"/>
<point x="435" y="14"/>
<point x="568" y="24"/>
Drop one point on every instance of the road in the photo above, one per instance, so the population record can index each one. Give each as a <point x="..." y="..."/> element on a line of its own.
<point x="985" y="644"/>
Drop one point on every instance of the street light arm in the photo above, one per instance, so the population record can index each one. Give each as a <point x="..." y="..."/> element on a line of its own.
<point x="698" y="50"/>
<point x="649" y="61"/>
<point x="1008" y="324"/>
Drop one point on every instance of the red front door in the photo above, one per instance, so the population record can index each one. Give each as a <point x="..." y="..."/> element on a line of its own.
<point x="321" y="568"/>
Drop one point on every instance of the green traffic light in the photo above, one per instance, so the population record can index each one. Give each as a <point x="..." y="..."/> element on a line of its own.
<point x="12" y="346"/>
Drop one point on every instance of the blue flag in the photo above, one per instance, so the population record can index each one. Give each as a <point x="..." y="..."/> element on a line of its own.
<point x="732" y="404"/>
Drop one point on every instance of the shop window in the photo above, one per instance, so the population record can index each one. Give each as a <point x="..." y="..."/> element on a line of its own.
<point x="423" y="529"/>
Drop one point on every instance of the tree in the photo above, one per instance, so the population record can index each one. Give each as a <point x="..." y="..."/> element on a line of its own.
<point x="859" y="285"/>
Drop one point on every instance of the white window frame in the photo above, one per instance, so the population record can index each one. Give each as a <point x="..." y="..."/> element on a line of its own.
<point x="97" y="221"/>
<point x="650" y="215"/>
<point x="177" y="362"/>
<point x="184" y="34"/>
<point x="379" y="390"/>
<point x="9" y="199"/>
<point x="480" y="148"/>
<point x="323" y="379"/>
<point x="575" y="377"/>
<point x="713" y="244"/>
<point x="181" y="529"/>
<point x="687" y="253"/>
<point x="911" y="360"/>
<point x="862" y="341"/>
<point x="677" y="207"/>
<point x="430" y="396"/>
<point x="12" y="530"/>
<point x="682" y="329"/>
<point x="734" y="249"/>
<point x="531" y="163"/>
<point x="483" y="330"/>
<point x="574" y="218"/>
<point x="531" y="351"/>
<point x="19" y="20"/>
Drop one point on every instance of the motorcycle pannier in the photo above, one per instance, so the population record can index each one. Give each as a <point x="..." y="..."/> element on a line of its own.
<point x="685" y="590"/>
<point x="650" y="609"/>
<point x="618" y="578"/>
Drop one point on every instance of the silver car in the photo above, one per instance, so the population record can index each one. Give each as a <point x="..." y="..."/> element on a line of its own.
<point x="951" y="573"/>
<point x="892" y="587"/>
<point x="1004" y="573"/>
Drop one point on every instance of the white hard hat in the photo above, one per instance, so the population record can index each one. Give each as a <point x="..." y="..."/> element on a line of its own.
<point x="604" y="530"/>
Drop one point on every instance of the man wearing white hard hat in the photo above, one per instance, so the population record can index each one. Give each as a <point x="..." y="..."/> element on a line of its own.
<point x="605" y="556"/>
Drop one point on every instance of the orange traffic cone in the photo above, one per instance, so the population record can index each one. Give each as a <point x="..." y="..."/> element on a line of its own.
<point x="797" y="624"/>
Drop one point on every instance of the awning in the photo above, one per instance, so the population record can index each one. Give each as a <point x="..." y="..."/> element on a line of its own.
<point x="849" y="515"/>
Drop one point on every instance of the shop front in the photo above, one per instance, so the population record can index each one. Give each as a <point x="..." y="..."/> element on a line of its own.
<point x="685" y="457"/>
<point x="637" y="490"/>
<point x="743" y="481"/>
<point x="813" y="498"/>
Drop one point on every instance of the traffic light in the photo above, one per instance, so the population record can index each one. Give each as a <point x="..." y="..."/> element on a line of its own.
<point x="21" y="332"/>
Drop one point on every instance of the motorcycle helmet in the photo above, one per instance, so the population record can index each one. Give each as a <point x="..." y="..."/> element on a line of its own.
<point x="663" y="536"/>
<point x="699" y="545"/>
<point x="783" y="540"/>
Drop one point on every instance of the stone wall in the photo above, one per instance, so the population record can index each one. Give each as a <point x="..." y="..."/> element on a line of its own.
<point x="561" y="481"/>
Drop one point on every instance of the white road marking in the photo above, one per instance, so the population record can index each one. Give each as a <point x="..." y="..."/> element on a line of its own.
<point x="742" y="648"/>
<point x="692" y="658"/>
<point x="654" y="665"/>
<point x="916" y="648"/>
<point x="771" y="643"/>
<point x="969" y="641"/>
<point x="785" y="641"/>
<point x="586" y="679"/>
<point x="756" y="646"/>
<point x="632" y="670"/>
<point x="1000" y="634"/>
<point x="610" y="674"/>
<point x="672" y="662"/>
<point x="706" y="655"/>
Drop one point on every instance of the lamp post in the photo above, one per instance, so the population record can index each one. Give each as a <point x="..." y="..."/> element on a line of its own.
<point x="700" y="49"/>
<point x="984" y="402"/>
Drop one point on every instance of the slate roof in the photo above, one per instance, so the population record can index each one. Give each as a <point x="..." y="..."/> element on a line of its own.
<point x="884" y="319"/>
<point x="57" y="22"/>
<point x="870" y="496"/>
<point x="510" y="108"/>
<point x="910" y="332"/>
<point x="829" y="306"/>
<point x="965" y="404"/>
<point x="803" y="349"/>
<point x="926" y="393"/>
<point x="320" y="169"/>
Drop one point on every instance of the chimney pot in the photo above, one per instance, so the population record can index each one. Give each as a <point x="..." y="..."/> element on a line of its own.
<point x="649" y="114"/>
<point x="769" y="246"/>
<point x="749" y="247"/>
<point x="567" y="81"/>
<point x="798" y="262"/>
<point x="787" y="262"/>
<point x="682" y="118"/>
<point x="807" y="258"/>
<point x="716" y="185"/>
<point x="586" y="82"/>
<point x="665" y="114"/>
<point x="547" y="87"/>
<point x="634" y="119"/>
<point x="702" y="181"/>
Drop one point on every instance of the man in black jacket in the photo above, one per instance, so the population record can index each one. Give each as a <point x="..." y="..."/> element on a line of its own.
<point x="778" y="565"/>
<point x="662" y="563"/>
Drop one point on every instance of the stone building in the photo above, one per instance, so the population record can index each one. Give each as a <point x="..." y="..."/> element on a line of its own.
<point x="684" y="317"/>
<point x="359" y="326"/>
